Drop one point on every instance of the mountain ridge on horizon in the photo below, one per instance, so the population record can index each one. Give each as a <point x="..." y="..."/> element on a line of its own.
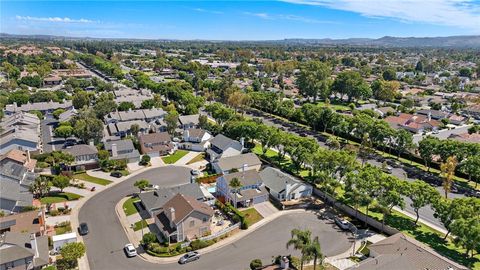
<point x="461" y="41"/>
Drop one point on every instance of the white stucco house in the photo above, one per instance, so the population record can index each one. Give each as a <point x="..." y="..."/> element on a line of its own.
<point x="284" y="187"/>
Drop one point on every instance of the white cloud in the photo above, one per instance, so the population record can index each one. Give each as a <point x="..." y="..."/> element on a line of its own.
<point x="288" y="17"/>
<point x="207" y="11"/>
<point x="458" y="13"/>
<point x="53" y="19"/>
<point x="259" y="15"/>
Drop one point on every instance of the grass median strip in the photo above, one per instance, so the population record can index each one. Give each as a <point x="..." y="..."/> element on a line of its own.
<point x="91" y="179"/>
<point x="174" y="157"/>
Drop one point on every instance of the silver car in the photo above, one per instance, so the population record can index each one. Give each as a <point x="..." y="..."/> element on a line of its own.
<point x="189" y="257"/>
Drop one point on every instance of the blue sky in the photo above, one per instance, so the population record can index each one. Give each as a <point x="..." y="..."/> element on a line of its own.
<point x="241" y="20"/>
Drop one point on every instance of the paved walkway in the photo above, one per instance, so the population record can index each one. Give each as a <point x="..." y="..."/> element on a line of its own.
<point x="52" y="221"/>
<point x="421" y="220"/>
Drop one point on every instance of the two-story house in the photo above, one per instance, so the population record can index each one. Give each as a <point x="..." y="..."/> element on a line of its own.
<point x="222" y="146"/>
<point x="183" y="218"/>
<point x="156" y="144"/>
<point x="188" y="121"/>
<point x="226" y="165"/>
<point x="195" y="139"/>
<point x="86" y="156"/>
<point x="122" y="149"/>
<point x="250" y="191"/>
<point x="284" y="187"/>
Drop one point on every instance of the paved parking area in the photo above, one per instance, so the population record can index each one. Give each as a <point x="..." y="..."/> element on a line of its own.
<point x="265" y="209"/>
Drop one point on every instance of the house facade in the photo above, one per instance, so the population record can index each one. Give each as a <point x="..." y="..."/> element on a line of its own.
<point x="156" y="144"/>
<point x="86" y="156"/>
<point x="251" y="190"/>
<point x="122" y="150"/>
<point x="222" y="146"/>
<point x="183" y="218"/>
<point x="226" y="165"/>
<point x="284" y="187"/>
<point x="195" y="139"/>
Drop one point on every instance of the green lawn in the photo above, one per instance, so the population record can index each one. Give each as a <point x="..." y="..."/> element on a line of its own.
<point x="174" y="157"/>
<point x="198" y="158"/>
<point x="138" y="225"/>
<point x="252" y="216"/>
<point x="88" y="178"/>
<point x="129" y="207"/>
<point x="60" y="197"/>
<point x="63" y="227"/>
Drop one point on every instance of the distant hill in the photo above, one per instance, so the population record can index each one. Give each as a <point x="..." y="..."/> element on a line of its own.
<point x="387" y="41"/>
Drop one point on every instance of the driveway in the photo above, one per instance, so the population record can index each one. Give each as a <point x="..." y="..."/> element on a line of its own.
<point x="107" y="237"/>
<point x="265" y="209"/>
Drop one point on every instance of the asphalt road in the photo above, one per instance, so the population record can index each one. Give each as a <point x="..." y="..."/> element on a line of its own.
<point x="107" y="237"/>
<point x="426" y="213"/>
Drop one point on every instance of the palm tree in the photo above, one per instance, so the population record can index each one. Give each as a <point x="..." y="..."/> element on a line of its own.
<point x="235" y="184"/>
<point x="314" y="250"/>
<point x="300" y="240"/>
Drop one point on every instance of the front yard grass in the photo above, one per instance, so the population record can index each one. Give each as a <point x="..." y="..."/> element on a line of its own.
<point x="63" y="227"/>
<point x="198" y="158"/>
<point x="129" y="206"/>
<point x="251" y="216"/>
<point x="92" y="179"/>
<point x="174" y="157"/>
<point x="56" y="197"/>
<point x="139" y="225"/>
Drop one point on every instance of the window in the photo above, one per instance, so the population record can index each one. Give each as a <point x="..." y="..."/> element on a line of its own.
<point x="192" y="223"/>
<point x="204" y="219"/>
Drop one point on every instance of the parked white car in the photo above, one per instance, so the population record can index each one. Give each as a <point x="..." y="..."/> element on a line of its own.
<point x="130" y="250"/>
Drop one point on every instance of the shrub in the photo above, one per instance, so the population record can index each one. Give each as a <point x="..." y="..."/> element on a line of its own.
<point x="244" y="225"/>
<point x="198" y="244"/>
<point x="148" y="238"/>
<point x="256" y="264"/>
<point x="54" y="212"/>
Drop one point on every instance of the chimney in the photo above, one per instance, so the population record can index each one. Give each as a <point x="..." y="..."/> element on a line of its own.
<point x="114" y="150"/>
<point x="429" y="116"/>
<point x="242" y="142"/>
<point x="186" y="135"/>
<point x="28" y="156"/>
<point x="33" y="244"/>
<point x="172" y="217"/>
<point x="91" y="143"/>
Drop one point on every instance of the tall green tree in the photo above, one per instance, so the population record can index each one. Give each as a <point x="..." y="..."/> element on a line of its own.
<point x="421" y="194"/>
<point x="351" y="84"/>
<point x="313" y="80"/>
<point x="61" y="182"/>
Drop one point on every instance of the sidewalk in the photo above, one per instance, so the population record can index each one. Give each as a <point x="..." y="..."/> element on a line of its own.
<point x="421" y="220"/>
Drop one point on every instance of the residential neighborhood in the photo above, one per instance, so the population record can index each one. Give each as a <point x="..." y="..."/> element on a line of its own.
<point x="133" y="152"/>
